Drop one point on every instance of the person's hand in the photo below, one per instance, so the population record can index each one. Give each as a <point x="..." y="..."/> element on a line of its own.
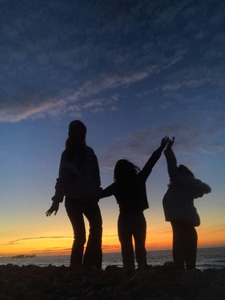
<point x="164" y="142"/>
<point x="170" y="143"/>
<point x="53" y="209"/>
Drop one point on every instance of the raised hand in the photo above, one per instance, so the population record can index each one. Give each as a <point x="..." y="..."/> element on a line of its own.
<point x="170" y="143"/>
<point x="164" y="142"/>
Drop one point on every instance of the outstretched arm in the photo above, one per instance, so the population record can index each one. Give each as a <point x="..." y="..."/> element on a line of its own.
<point x="171" y="160"/>
<point x="109" y="191"/>
<point x="153" y="159"/>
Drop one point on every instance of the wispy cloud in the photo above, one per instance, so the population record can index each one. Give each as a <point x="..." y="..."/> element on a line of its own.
<point x="19" y="241"/>
<point x="60" y="57"/>
<point x="190" y="138"/>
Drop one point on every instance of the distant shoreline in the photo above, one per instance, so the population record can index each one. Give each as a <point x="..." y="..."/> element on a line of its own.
<point x="115" y="252"/>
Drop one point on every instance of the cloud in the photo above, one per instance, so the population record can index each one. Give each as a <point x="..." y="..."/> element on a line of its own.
<point x="17" y="111"/>
<point x="62" y="57"/>
<point x="191" y="137"/>
<point x="18" y="241"/>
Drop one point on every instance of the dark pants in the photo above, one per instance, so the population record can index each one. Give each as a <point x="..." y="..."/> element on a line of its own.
<point x="184" y="244"/>
<point x="132" y="225"/>
<point x="93" y="254"/>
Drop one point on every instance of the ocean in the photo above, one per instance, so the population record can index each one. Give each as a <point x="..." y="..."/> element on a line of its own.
<point x="207" y="258"/>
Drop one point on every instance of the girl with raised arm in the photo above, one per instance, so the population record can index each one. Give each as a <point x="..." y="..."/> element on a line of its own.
<point x="178" y="204"/>
<point x="130" y="192"/>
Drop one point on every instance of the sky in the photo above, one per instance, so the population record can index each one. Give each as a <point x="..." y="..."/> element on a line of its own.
<point x="133" y="72"/>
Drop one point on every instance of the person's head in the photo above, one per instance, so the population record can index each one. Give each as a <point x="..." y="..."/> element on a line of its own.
<point x="125" y="171"/>
<point x="183" y="170"/>
<point x="77" y="134"/>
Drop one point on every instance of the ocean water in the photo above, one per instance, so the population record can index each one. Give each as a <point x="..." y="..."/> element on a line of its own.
<point x="207" y="258"/>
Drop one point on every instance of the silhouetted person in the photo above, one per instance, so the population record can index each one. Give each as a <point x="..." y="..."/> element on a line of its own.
<point x="179" y="209"/>
<point x="130" y="192"/>
<point x="79" y="182"/>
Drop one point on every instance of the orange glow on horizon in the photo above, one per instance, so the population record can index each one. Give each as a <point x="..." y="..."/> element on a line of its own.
<point x="56" y="245"/>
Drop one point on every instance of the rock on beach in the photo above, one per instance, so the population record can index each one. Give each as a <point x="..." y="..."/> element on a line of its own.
<point x="154" y="283"/>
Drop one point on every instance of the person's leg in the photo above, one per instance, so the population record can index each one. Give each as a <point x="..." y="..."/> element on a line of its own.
<point x="178" y="244"/>
<point x="139" y="232"/>
<point x="93" y="253"/>
<point x="125" y="237"/>
<point x="191" y="247"/>
<point x="75" y="215"/>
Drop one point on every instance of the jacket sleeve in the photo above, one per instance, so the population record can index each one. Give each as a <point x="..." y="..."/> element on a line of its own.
<point x="63" y="180"/>
<point x="171" y="164"/>
<point x="194" y="186"/>
<point x="145" y="172"/>
<point x="200" y="188"/>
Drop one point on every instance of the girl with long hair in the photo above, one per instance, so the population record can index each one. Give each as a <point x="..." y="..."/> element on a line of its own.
<point x="129" y="190"/>
<point x="79" y="182"/>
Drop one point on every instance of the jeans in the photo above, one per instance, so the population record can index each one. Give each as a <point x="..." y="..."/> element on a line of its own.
<point x="93" y="255"/>
<point x="184" y="244"/>
<point x="132" y="225"/>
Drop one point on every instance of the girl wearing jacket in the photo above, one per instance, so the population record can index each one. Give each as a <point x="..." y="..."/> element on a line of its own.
<point x="130" y="192"/>
<point x="79" y="182"/>
<point x="178" y="204"/>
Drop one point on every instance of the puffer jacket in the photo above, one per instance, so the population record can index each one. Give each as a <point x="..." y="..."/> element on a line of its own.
<point x="178" y="202"/>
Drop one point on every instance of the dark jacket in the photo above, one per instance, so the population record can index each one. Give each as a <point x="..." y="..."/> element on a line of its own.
<point x="78" y="175"/>
<point x="178" y="202"/>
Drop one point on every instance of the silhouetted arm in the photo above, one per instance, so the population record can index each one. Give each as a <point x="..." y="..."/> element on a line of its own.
<point x="194" y="186"/>
<point x="60" y="187"/>
<point x="171" y="164"/>
<point x="145" y="172"/>
<point x="63" y="180"/>
<point x="109" y="191"/>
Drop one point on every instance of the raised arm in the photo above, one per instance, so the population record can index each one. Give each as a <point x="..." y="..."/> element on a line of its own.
<point x="145" y="172"/>
<point x="171" y="160"/>
<point x="171" y="164"/>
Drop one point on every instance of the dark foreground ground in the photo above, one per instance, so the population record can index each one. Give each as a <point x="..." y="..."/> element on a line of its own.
<point x="63" y="283"/>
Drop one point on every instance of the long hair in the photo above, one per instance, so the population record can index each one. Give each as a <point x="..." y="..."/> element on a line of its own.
<point x="125" y="173"/>
<point x="76" y="135"/>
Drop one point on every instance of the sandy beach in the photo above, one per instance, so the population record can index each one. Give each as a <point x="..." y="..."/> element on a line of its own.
<point x="62" y="283"/>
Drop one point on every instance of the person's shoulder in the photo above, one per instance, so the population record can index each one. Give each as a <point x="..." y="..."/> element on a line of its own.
<point x="65" y="154"/>
<point x="89" y="150"/>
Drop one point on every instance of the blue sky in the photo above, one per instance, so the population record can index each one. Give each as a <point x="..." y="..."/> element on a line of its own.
<point x="133" y="72"/>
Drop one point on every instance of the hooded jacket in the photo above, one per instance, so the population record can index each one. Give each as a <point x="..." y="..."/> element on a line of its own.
<point x="178" y="202"/>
